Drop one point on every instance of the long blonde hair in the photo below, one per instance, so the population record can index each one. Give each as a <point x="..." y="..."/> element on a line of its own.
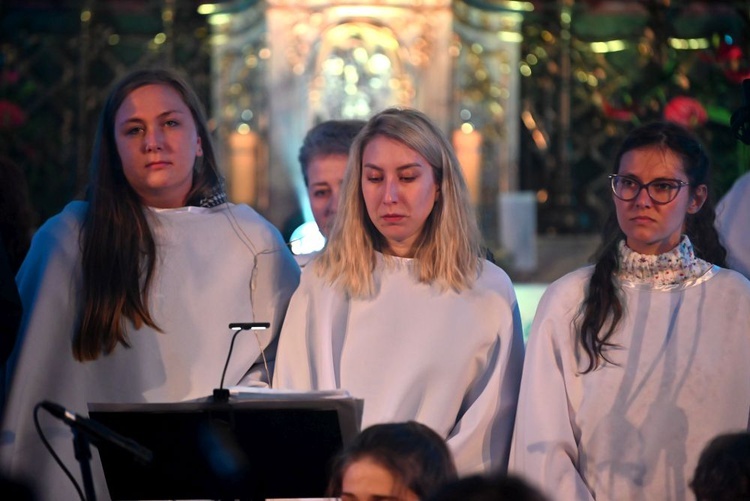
<point x="448" y="252"/>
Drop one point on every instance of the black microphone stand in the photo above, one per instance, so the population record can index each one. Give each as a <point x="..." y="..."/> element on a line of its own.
<point x="84" y="430"/>
<point x="82" y="450"/>
<point x="221" y="394"/>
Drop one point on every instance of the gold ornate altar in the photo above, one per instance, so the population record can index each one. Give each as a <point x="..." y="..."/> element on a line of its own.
<point x="281" y="66"/>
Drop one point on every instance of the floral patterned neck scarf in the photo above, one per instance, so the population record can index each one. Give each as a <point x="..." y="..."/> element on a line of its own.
<point x="671" y="268"/>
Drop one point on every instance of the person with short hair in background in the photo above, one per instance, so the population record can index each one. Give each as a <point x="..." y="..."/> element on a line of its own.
<point x="323" y="158"/>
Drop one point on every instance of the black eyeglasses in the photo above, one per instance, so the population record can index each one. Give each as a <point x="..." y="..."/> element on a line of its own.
<point x="661" y="191"/>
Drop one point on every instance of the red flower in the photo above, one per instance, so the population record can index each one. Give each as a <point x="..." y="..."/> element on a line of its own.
<point x="727" y="52"/>
<point x="619" y="114"/>
<point x="685" y="111"/>
<point x="11" y="115"/>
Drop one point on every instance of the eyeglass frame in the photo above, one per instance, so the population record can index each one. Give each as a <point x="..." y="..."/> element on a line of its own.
<point x="641" y="186"/>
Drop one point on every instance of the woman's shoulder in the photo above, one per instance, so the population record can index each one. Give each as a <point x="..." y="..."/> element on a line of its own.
<point x="249" y="220"/>
<point x="493" y="274"/>
<point x="67" y="222"/>
<point x="568" y="289"/>
<point x="731" y="279"/>
<point x="57" y="240"/>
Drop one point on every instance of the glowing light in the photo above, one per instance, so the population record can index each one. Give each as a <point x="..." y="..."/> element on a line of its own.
<point x="350" y="73"/>
<point x="467" y="128"/>
<point x="528" y="120"/>
<point x="525" y="70"/>
<point x="360" y="55"/>
<point x="207" y="8"/>
<point x="509" y="36"/>
<point x="609" y="46"/>
<point x="334" y="66"/>
<point x="306" y="239"/>
<point x="539" y="139"/>
<point x="160" y="38"/>
<point x="219" y="19"/>
<point x="113" y="39"/>
<point x="247" y="115"/>
<point x="379" y="64"/>
<point x="465" y="114"/>
<point x="516" y="5"/>
<point x="689" y="43"/>
<point x="243" y="129"/>
<point x="85" y="16"/>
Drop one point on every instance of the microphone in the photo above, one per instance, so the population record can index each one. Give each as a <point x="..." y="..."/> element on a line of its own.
<point x="98" y="431"/>
<point x="221" y="394"/>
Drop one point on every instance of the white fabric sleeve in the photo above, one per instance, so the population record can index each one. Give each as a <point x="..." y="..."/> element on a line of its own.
<point x="485" y="426"/>
<point x="545" y="445"/>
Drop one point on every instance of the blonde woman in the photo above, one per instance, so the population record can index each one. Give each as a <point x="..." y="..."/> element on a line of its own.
<point x="401" y="309"/>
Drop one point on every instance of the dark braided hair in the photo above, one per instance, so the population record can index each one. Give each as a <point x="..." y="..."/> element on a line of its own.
<point x="602" y="308"/>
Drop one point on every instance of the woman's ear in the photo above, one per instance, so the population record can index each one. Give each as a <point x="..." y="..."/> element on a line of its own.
<point x="697" y="198"/>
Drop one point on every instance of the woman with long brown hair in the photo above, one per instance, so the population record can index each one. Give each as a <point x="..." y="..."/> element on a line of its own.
<point x="128" y="295"/>
<point x="637" y="361"/>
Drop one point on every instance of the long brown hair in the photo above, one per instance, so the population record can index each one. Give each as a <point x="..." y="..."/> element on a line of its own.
<point x="118" y="249"/>
<point x="602" y="308"/>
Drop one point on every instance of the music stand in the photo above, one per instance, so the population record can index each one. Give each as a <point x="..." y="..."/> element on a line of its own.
<point x="253" y="448"/>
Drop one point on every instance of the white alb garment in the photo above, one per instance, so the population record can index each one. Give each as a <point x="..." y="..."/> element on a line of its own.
<point x="634" y="428"/>
<point x="733" y="224"/>
<point x="215" y="266"/>
<point x="413" y="352"/>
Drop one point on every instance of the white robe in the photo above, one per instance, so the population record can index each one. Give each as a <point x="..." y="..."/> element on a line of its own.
<point x="413" y="352"/>
<point x="733" y="223"/>
<point x="204" y="280"/>
<point x="634" y="430"/>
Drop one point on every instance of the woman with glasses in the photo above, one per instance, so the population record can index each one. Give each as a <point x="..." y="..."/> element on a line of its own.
<point x="634" y="363"/>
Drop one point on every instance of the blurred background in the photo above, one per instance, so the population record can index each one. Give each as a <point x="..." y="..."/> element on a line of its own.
<point x="535" y="95"/>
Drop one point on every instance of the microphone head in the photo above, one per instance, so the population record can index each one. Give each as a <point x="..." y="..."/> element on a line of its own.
<point x="56" y="410"/>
